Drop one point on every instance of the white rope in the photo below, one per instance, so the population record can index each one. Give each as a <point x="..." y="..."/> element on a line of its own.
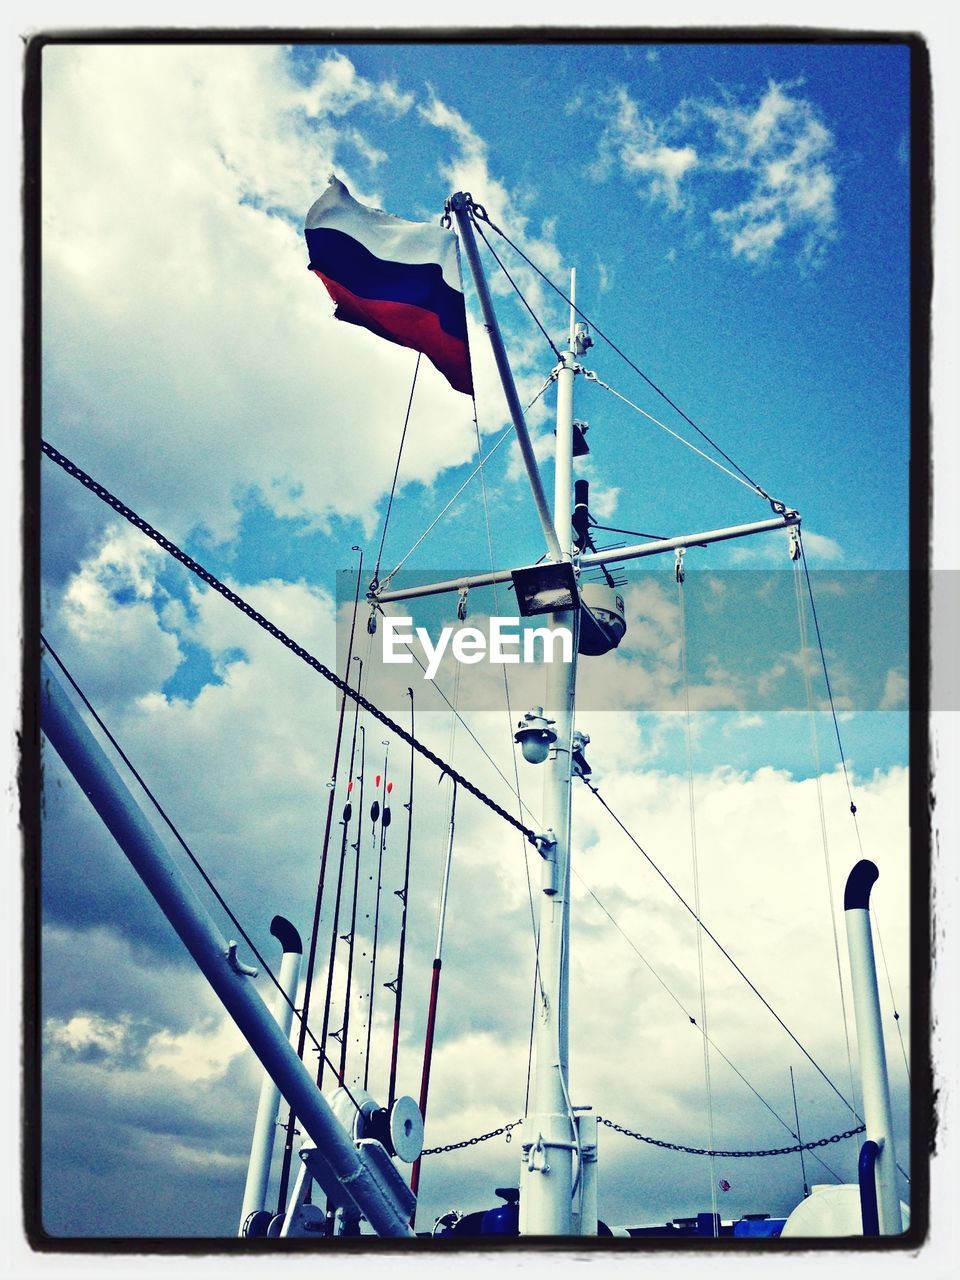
<point x="708" y="1083"/>
<point x="473" y="474"/>
<point x="592" y="377"/>
<point x="436" y="520"/>
<point x="805" y="664"/>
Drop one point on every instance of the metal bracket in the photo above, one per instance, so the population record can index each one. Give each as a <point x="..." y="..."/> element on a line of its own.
<point x="246" y="970"/>
<point x="581" y="768"/>
<point x="531" y="1151"/>
<point x="546" y="843"/>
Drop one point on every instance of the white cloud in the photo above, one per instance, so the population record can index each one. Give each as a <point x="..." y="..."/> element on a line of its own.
<point x="665" y="165"/>
<point x="775" y="153"/>
<point x="896" y="691"/>
<point x="181" y="326"/>
<point x="469" y="169"/>
<point x="85" y="1031"/>
<point x="202" y="1053"/>
<point x="108" y="615"/>
<point x="821" y="548"/>
<point x="642" y="147"/>
<point x="784" y="149"/>
<point x="818" y="548"/>
<point x="337" y="88"/>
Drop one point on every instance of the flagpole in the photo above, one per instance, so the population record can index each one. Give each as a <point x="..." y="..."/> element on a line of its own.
<point x="460" y="206"/>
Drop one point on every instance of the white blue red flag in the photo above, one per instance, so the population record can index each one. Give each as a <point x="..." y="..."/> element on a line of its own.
<point x="398" y="279"/>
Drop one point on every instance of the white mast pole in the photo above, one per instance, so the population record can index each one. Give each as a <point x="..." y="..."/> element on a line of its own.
<point x="546" y="1169"/>
<point x="265" y="1128"/>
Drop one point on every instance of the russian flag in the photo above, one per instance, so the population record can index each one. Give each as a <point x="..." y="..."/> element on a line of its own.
<point x="398" y="279"/>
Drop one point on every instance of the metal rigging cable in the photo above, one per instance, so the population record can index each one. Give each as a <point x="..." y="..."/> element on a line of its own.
<point x="826" y="677"/>
<point x="796" y="1112"/>
<point x="688" y="737"/>
<point x="396" y="471"/>
<point x="516" y="289"/>
<point x="507" y="431"/>
<point x="480" y="212"/>
<point x="537" y="982"/>
<point x="211" y="580"/>
<point x="893" y="999"/>
<point x="679" y="896"/>
<point x="592" y="377"/>
<point x="183" y="844"/>
<point x="691" y="1020"/>
<point x="815" y="751"/>
<point x="846" y="778"/>
<point x="501" y="439"/>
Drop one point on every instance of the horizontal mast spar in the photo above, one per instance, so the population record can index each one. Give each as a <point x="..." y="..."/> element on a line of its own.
<point x="787" y="521"/>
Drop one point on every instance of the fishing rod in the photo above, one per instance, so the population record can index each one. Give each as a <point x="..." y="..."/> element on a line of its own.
<point x="351" y="936"/>
<point x="434" y="988"/>
<point x="796" y="1113"/>
<point x="379" y="809"/>
<point x="397" y="985"/>
<point x="312" y="955"/>
<point x="345" y="823"/>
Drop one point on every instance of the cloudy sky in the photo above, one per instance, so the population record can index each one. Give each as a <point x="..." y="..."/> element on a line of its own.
<point x="738" y="218"/>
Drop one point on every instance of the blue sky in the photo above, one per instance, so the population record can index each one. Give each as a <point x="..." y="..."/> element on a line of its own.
<point x="738" y="219"/>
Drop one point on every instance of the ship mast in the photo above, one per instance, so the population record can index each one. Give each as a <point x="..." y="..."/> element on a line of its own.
<point x="550" y="1134"/>
<point x="553" y="1129"/>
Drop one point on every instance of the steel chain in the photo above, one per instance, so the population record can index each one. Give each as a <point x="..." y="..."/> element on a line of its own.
<point x="472" y="1142"/>
<point x="661" y="1142"/>
<point x="733" y="1155"/>
<point x="206" y="576"/>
